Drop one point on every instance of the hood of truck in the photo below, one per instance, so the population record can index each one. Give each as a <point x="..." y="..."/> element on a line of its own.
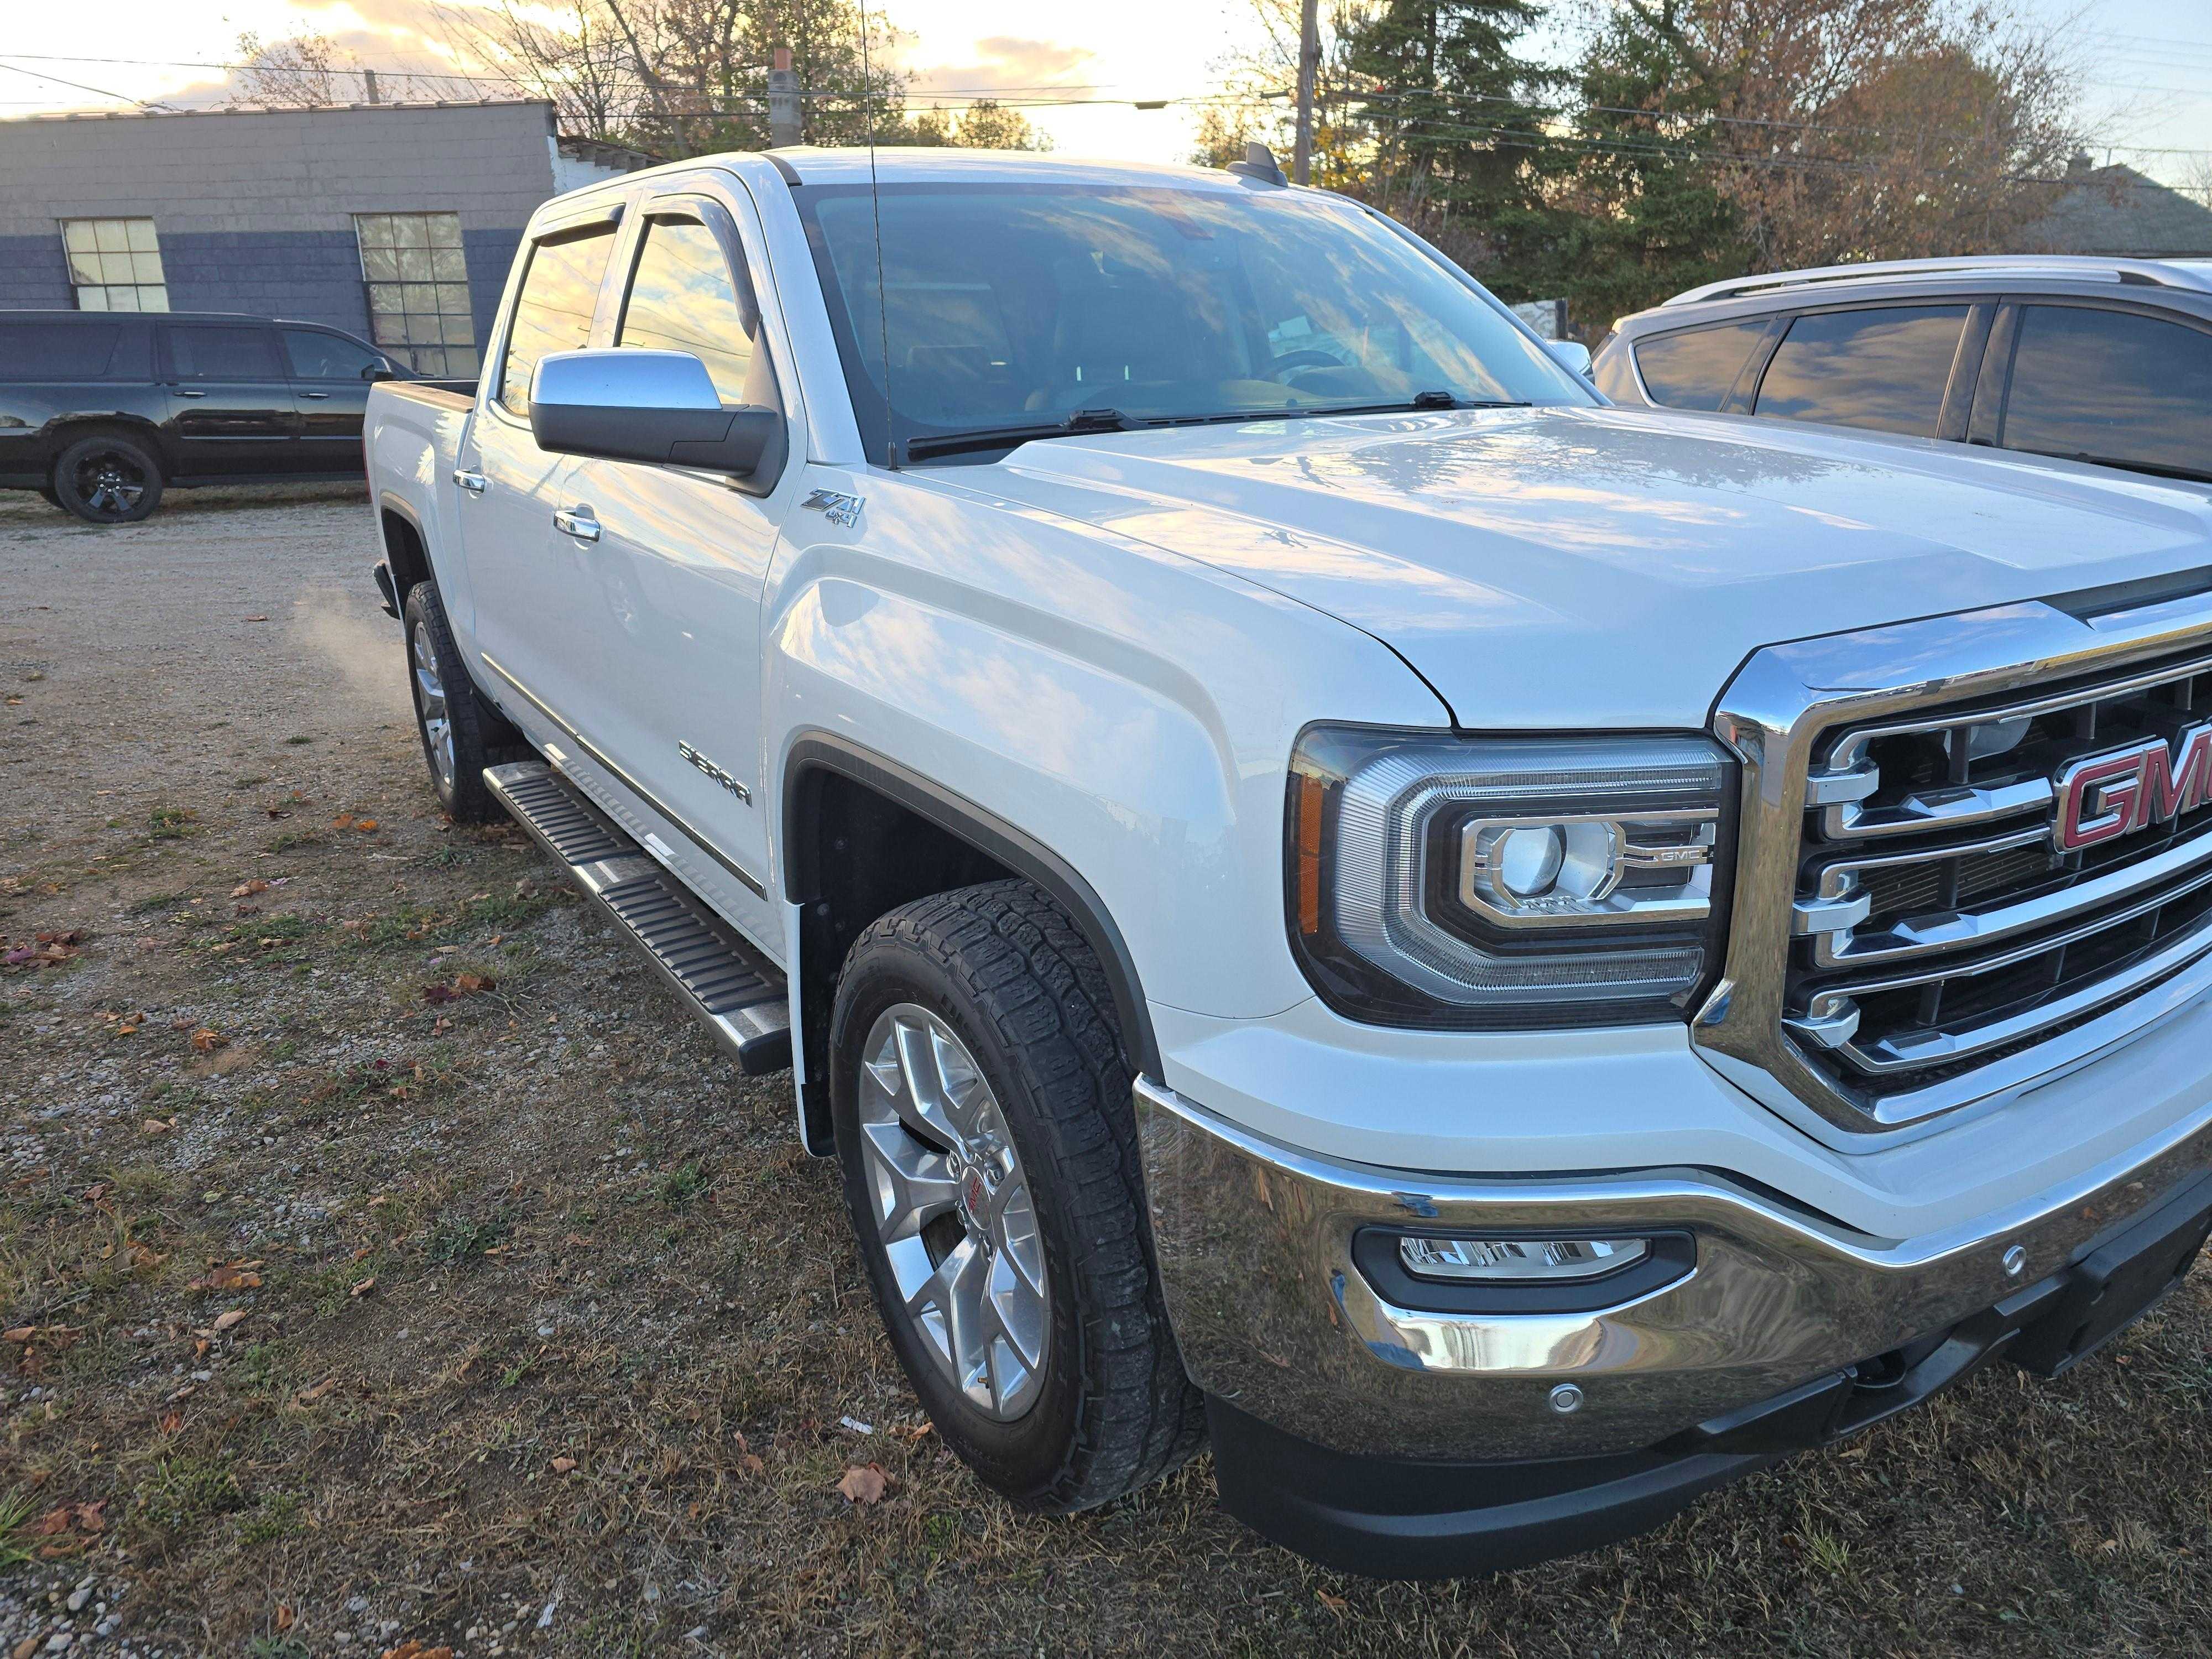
<point x="1596" y="568"/>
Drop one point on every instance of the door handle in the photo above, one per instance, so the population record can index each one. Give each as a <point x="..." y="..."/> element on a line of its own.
<point x="577" y="521"/>
<point x="187" y="392"/>
<point x="314" y="394"/>
<point x="474" y="482"/>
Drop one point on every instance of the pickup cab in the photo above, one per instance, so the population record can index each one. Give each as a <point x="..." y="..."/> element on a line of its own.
<point x="1502" y="960"/>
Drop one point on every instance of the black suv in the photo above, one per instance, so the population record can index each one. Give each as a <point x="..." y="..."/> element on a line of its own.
<point x="99" y="411"/>
<point x="2106" y="360"/>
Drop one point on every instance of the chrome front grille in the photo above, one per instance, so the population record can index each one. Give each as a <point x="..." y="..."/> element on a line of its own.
<point x="1909" y="935"/>
<point x="1977" y="937"/>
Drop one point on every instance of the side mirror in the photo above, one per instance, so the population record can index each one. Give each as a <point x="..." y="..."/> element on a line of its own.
<point x="376" y="372"/>
<point x="1570" y="355"/>
<point x="659" y="407"/>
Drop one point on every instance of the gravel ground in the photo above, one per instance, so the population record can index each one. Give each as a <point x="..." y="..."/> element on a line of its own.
<point x="347" y="1319"/>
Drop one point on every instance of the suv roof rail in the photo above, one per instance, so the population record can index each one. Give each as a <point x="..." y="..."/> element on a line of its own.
<point x="2150" y="272"/>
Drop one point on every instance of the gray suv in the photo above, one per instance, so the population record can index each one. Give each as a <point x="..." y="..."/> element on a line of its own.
<point x="2106" y="360"/>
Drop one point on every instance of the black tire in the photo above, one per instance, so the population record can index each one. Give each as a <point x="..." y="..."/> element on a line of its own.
<point x="107" y="478"/>
<point x="1004" y="968"/>
<point x="479" y="737"/>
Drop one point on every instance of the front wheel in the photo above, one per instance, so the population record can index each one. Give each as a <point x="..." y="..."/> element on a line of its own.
<point x="461" y="734"/>
<point x="983" y="1121"/>
<point x="107" y="478"/>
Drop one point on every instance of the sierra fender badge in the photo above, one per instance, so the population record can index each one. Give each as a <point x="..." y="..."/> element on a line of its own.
<point x="2123" y="790"/>
<point x="840" y="508"/>
<point x="714" y="772"/>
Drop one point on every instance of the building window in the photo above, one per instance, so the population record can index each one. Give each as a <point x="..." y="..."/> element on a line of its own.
<point x="418" y="290"/>
<point x="115" y="265"/>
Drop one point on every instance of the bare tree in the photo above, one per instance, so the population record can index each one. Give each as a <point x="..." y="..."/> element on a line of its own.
<point x="684" y="77"/>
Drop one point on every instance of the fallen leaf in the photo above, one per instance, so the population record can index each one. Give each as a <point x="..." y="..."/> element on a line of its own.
<point x="344" y="821"/>
<point x="248" y="888"/>
<point x="563" y="1465"/>
<point x="172" y="1421"/>
<point x="223" y="1322"/>
<point x="412" y="1647"/>
<point x="364" y="1287"/>
<point x="207" y="1041"/>
<point x="1334" y="1603"/>
<point x="155" y="1126"/>
<point x="257" y="619"/>
<point x="283" y="1616"/>
<point x="751" y="1464"/>
<point x="19" y="1334"/>
<point x="864" y="1483"/>
<point x="308" y="1396"/>
<point x="365" y="825"/>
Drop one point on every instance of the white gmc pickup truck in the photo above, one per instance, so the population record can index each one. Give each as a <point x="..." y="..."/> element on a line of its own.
<point x="1504" y="959"/>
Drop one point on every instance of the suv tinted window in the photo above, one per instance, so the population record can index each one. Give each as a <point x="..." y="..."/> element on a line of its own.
<point x="554" y="313"/>
<point x="315" y="355"/>
<point x="1885" y="367"/>
<point x="211" y="352"/>
<point x="681" y="300"/>
<point x="2113" y="386"/>
<point x="1695" y="368"/>
<point x="57" y="351"/>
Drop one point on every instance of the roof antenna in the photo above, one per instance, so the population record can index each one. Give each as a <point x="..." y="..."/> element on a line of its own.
<point x="875" y="204"/>
<point x="1259" y="163"/>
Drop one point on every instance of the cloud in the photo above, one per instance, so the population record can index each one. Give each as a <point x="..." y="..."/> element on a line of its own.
<point x="1005" y="63"/>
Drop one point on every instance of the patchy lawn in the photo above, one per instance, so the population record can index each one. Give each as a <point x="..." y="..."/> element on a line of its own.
<point x="384" y="1259"/>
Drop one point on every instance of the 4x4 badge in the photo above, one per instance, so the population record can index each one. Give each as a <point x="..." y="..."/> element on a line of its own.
<point x="2123" y="790"/>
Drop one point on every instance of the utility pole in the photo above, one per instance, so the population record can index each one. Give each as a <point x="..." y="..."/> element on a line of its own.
<point x="1309" y="67"/>
<point x="782" y="100"/>
<point x="368" y="81"/>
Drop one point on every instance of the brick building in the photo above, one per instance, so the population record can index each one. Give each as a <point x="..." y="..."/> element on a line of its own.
<point x="397" y="221"/>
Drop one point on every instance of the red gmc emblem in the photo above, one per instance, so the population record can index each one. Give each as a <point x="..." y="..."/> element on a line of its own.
<point x="2115" y="793"/>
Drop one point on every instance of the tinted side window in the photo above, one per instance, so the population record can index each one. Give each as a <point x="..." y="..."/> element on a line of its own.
<point x="1695" y="368"/>
<point x="554" y="313"/>
<point x="1884" y="368"/>
<point x="214" y="353"/>
<point x="316" y="356"/>
<point x="2110" y="386"/>
<point x="681" y="300"/>
<point x="56" y="351"/>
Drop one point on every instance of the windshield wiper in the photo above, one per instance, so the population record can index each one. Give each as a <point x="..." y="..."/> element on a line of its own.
<point x="1010" y="437"/>
<point x="1113" y="420"/>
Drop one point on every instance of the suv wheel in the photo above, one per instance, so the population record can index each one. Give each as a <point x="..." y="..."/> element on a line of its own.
<point x="107" y="478"/>
<point x="461" y="733"/>
<point x="984" y="1122"/>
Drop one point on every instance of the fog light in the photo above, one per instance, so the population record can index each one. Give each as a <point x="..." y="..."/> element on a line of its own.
<point x="1520" y="1261"/>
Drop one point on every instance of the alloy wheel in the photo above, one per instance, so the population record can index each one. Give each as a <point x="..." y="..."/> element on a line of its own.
<point x="953" y="1212"/>
<point x="430" y="709"/>
<point x="110" y="483"/>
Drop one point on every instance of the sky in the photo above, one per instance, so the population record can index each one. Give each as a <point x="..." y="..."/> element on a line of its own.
<point x="2146" y="65"/>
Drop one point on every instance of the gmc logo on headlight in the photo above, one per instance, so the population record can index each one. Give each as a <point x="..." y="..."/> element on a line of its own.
<point x="2103" y="796"/>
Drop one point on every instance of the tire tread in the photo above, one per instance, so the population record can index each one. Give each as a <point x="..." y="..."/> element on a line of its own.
<point x="1027" y="968"/>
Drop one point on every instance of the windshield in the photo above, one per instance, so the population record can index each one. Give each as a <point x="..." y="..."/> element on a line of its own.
<point x="1017" y="306"/>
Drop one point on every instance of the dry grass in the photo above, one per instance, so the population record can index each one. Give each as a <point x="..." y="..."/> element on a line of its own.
<point x="546" y="1223"/>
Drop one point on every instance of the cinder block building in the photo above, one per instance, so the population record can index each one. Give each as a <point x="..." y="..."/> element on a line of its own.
<point x="397" y="221"/>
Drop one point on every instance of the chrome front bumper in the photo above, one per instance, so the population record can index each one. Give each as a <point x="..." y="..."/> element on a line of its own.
<point x="1255" y="1250"/>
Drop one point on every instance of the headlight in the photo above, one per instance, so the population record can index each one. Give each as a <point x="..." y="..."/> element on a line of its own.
<point x="1507" y="882"/>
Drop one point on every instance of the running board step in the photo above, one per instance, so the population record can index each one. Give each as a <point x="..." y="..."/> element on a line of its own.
<point x="737" y="992"/>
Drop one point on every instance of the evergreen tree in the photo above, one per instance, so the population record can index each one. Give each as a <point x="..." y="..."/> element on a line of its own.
<point x="1461" y="126"/>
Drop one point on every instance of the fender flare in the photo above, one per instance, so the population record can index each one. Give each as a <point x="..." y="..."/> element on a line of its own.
<point x="817" y="752"/>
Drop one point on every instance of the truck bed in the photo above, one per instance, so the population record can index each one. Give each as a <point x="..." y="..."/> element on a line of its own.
<point x="450" y="394"/>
